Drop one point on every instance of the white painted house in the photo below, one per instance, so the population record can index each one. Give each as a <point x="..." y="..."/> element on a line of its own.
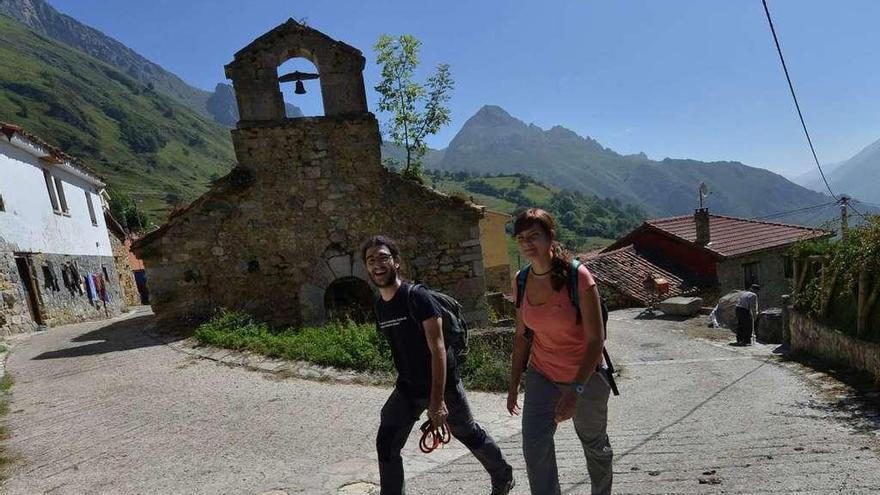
<point x="56" y="260"/>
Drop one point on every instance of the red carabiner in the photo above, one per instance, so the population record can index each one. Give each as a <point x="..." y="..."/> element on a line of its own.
<point x="433" y="437"/>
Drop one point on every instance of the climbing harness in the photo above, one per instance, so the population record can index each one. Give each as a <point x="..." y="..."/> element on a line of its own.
<point x="433" y="437"/>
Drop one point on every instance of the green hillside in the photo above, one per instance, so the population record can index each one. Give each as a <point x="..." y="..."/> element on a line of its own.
<point x="584" y="222"/>
<point x="140" y="141"/>
<point x="492" y="141"/>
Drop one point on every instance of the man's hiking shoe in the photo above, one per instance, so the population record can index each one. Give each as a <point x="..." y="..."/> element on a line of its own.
<point x="503" y="487"/>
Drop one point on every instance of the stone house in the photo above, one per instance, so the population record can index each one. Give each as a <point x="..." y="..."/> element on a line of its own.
<point x="718" y="254"/>
<point x="54" y="243"/>
<point x="279" y="236"/>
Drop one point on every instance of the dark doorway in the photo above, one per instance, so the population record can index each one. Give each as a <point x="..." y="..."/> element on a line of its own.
<point x="349" y="298"/>
<point x="30" y="288"/>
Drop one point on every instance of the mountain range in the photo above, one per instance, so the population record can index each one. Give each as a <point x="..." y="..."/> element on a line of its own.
<point x="858" y="177"/>
<point x="492" y="141"/>
<point x="162" y="141"/>
<point x="141" y="141"/>
<point x="43" y="19"/>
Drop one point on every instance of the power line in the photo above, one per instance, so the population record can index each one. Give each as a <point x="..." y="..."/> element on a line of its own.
<point x="798" y="210"/>
<point x="794" y="97"/>
<point x="866" y="203"/>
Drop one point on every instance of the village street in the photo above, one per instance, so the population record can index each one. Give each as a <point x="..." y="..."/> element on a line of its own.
<point x="104" y="408"/>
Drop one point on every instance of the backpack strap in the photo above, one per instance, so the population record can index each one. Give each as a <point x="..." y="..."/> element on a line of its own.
<point x="573" y="284"/>
<point x="521" y="279"/>
<point x="409" y="304"/>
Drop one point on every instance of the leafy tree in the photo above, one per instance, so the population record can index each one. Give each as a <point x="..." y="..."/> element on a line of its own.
<point x="126" y="211"/>
<point x="417" y="110"/>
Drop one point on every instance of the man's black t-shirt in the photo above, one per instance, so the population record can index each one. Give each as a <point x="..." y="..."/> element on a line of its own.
<point x="409" y="346"/>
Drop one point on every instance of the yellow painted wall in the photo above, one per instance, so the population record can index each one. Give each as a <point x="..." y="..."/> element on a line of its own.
<point x="492" y="238"/>
<point x="496" y="263"/>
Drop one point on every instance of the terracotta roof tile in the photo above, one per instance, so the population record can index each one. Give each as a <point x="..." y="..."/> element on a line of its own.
<point x="627" y="270"/>
<point x="732" y="236"/>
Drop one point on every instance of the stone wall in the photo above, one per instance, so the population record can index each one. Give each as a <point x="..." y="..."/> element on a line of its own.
<point x="811" y="337"/>
<point x="771" y="277"/>
<point x="130" y="296"/>
<point x="58" y="302"/>
<point x="498" y="279"/>
<point x="69" y="303"/>
<point x="614" y="299"/>
<point x="273" y="235"/>
<point x="15" y="315"/>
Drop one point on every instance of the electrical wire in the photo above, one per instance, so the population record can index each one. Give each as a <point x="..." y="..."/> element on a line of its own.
<point x="798" y="210"/>
<point x="796" y="104"/>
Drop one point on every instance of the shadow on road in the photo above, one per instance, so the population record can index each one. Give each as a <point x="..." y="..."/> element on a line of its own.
<point x="123" y="335"/>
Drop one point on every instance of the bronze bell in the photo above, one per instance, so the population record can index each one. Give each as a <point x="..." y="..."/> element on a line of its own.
<point x="300" y="88"/>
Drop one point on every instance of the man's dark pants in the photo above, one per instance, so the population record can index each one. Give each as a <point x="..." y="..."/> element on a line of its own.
<point x="400" y="414"/>
<point x="743" y="325"/>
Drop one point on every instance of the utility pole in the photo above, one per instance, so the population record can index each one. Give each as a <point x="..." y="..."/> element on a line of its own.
<point x="844" y="216"/>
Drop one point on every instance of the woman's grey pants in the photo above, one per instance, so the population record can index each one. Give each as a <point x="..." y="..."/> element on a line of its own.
<point x="590" y="422"/>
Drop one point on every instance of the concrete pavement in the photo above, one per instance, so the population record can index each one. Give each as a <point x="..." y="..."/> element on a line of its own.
<point x="104" y="408"/>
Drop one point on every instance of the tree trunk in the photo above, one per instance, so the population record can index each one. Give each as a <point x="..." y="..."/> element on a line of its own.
<point x="827" y="291"/>
<point x="862" y="312"/>
<point x="869" y="303"/>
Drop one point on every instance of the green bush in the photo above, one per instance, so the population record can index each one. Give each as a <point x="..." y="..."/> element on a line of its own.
<point x="844" y="260"/>
<point x="349" y="345"/>
<point x="487" y="366"/>
<point x="339" y="344"/>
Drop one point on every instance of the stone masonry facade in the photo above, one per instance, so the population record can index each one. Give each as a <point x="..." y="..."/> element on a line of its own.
<point x="61" y="297"/>
<point x="127" y="285"/>
<point x="276" y="235"/>
<point x="770" y="272"/>
<point x="15" y="317"/>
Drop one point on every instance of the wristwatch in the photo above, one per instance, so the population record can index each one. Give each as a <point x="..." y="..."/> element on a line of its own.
<point x="577" y="387"/>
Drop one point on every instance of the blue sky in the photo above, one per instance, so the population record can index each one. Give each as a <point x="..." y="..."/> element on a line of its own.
<point x="673" y="78"/>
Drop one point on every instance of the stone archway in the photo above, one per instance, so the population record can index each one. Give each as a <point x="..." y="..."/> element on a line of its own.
<point x="334" y="265"/>
<point x="349" y="298"/>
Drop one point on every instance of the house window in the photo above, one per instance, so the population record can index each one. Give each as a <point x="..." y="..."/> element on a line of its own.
<point x="50" y="186"/>
<point x="751" y="273"/>
<point x="59" y="188"/>
<point x="91" y="209"/>
<point x="788" y="266"/>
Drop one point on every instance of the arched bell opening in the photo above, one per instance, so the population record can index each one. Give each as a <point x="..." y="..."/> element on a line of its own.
<point x="349" y="298"/>
<point x="300" y="86"/>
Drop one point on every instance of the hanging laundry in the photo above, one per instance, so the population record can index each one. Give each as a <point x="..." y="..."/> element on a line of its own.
<point x="100" y="287"/>
<point x="90" y="287"/>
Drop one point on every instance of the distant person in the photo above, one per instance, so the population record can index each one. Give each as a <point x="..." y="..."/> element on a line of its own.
<point x="563" y="352"/>
<point x="746" y="314"/>
<point x="427" y="374"/>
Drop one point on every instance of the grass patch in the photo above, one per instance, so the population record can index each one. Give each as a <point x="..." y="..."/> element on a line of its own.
<point x="339" y="344"/>
<point x="5" y="385"/>
<point x="349" y="345"/>
<point x="487" y="366"/>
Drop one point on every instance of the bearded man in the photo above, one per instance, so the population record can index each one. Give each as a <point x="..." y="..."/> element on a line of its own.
<point x="427" y="374"/>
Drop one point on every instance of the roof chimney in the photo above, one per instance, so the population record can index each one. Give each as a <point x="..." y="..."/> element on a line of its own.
<point x="701" y="220"/>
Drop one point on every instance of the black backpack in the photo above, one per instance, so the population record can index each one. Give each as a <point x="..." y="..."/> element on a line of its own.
<point x="574" y="297"/>
<point x="455" y="327"/>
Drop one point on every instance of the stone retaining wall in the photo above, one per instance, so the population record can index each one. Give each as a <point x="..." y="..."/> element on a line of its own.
<point x="811" y="337"/>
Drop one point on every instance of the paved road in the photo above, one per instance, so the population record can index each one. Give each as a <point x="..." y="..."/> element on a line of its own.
<point x="103" y="408"/>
